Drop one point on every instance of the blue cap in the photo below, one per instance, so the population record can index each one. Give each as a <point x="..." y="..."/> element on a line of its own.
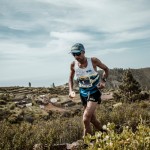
<point x="78" y="47"/>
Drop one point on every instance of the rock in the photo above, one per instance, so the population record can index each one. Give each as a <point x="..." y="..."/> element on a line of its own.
<point x="29" y="105"/>
<point x="59" y="147"/>
<point x="41" y="106"/>
<point x="75" y="145"/>
<point x="21" y="106"/>
<point x="42" y="96"/>
<point x="41" y="101"/>
<point x="37" y="147"/>
<point x="54" y="100"/>
<point x="117" y="105"/>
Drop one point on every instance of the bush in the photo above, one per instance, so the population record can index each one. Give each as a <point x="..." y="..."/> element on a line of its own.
<point x="46" y="133"/>
<point x="126" y="114"/>
<point x="126" y="140"/>
<point x="129" y="90"/>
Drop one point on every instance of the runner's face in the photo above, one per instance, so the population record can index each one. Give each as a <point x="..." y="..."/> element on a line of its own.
<point x="80" y="57"/>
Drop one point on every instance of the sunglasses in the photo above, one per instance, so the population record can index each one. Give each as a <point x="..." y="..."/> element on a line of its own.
<point x="76" y="54"/>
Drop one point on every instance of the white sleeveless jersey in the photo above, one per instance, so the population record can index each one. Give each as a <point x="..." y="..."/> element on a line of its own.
<point x="87" y="77"/>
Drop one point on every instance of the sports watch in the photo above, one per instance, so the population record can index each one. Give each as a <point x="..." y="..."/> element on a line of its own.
<point x="104" y="79"/>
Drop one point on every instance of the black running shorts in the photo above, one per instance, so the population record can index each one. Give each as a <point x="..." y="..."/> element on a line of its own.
<point x="95" y="97"/>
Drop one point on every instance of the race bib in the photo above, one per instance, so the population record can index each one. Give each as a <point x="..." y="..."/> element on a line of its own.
<point x="84" y="82"/>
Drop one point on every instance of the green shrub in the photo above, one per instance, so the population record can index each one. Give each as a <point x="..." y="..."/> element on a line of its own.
<point x="126" y="114"/>
<point x="46" y="133"/>
<point x="125" y="140"/>
<point x="130" y="89"/>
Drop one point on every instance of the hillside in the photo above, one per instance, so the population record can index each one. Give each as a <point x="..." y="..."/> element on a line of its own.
<point x="142" y="75"/>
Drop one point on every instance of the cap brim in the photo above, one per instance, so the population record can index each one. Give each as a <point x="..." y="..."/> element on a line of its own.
<point x="75" y="51"/>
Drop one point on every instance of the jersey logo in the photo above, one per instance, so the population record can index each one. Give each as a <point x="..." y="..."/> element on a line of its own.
<point x="89" y="71"/>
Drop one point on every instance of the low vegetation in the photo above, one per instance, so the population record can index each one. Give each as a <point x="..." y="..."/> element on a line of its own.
<point x="127" y="139"/>
<point x="25" y="135"/>
<point x="125" y="117"/>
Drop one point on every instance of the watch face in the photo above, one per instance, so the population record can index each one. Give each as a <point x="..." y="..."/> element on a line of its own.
<point x="104" y="79"/>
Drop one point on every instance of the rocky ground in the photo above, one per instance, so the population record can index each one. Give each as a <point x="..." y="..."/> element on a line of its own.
<point x="54" y="99"/>
<point x="20" y="103"/>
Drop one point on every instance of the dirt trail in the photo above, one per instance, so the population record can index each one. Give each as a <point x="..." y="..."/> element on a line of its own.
<point x="54" y="108"/>
<point x="50" y="106"/>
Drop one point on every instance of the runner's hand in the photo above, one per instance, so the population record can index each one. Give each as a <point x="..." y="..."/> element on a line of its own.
<point x="101" y="85"/>
<point x="72" y="94"/>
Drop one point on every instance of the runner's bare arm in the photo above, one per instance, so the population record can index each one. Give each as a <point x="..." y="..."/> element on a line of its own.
<point x="71" y="77"/>
<point x="98" y="63"/>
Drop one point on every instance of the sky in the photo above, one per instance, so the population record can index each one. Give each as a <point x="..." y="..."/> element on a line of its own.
<point x="36" y="37"/>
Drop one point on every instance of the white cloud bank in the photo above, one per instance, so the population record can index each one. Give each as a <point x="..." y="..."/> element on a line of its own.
<point x="39" y="33"/>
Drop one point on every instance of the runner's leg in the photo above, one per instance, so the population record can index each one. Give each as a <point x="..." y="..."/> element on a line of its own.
<point x="95" y="122"/>
<point x="87" y="115"/>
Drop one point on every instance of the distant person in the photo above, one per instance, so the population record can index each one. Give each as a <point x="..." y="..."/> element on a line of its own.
<point x="29" y="84"/>
<point x="90" y="84"/>
<point x="53" y="85"/>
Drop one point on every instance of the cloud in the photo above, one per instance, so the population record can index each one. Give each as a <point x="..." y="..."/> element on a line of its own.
<point x="113" y="17"/>
<point x="127" y="36"/>
<point x="105" y="16"/>
<point x="65" y="18"/>
<point x="110" y="51"/>
<point x="119" y="50"/>
<point x="40" y="32"/>
<point x="70" y="36"/>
